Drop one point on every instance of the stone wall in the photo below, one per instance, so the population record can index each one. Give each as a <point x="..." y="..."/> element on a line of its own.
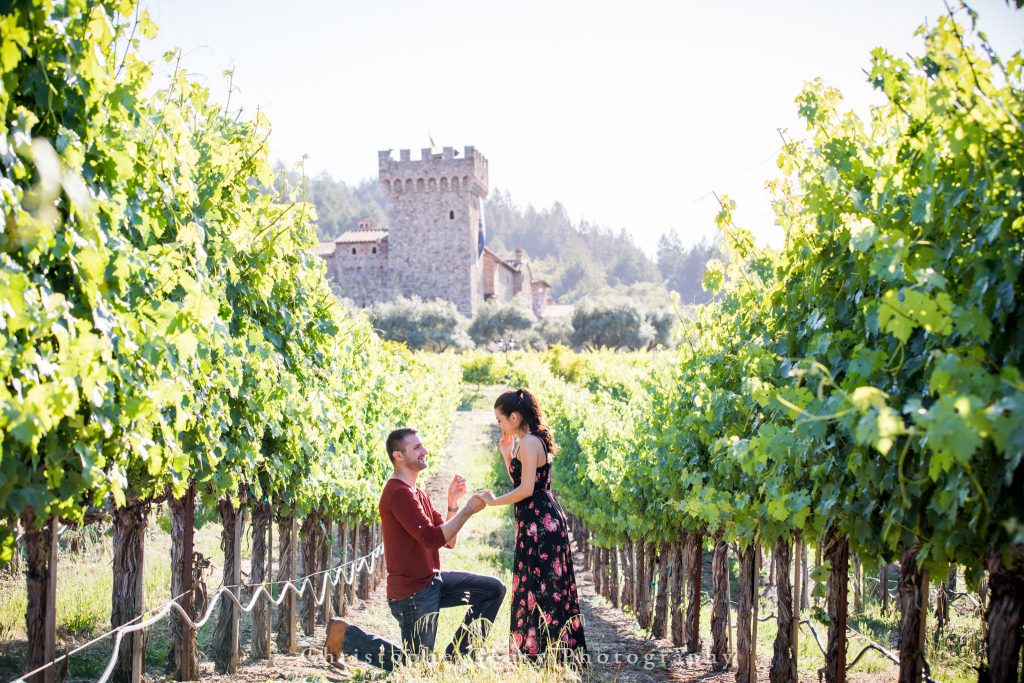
<point x="363" y="277"/>
<point x="429" y="247"/>
<point x="433" y="213"/>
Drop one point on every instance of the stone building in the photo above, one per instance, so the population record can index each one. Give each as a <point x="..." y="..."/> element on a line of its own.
<point x="433" y="245"/>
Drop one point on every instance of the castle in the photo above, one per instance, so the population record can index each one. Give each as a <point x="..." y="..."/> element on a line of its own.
<point x="433" y="246"/>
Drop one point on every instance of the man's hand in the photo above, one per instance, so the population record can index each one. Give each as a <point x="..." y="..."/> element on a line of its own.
<point x="485" y="495"/>
<point x="475" y="504"/>
<point x="456" y="490"/>
<point x="505" y="445"/>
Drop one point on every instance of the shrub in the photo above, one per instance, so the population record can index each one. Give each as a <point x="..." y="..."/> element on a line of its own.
<point x="613" y="325"/>
<point x="506" y="322"/>
<point x="422" y="325"/>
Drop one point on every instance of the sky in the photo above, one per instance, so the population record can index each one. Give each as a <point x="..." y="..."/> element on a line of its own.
<point x="632" y="115"/>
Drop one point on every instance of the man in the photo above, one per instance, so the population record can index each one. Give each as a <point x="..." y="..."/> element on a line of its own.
<point x="416" y="587"/>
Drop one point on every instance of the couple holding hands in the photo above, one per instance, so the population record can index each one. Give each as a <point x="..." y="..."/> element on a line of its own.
<point x="545" y="606"/>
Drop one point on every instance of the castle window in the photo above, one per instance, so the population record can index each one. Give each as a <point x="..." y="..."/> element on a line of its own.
<point x="451" y="215"/>
<point x="353" y="250"/>
<point x="375" y="250"/>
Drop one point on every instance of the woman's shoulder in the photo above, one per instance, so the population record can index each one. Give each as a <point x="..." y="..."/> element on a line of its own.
<point x="532" y="442"/>
<point x="534" y="445"/>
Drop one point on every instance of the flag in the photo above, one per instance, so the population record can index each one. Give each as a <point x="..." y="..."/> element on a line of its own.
<point x="433" y="146"/>
<point x="480" y="234"/>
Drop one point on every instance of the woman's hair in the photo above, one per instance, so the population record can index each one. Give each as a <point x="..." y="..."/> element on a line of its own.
<point x="524" y="402"/>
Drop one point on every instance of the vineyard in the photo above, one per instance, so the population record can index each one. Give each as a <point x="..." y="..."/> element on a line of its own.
<point x="166" y="335"/>
<point x="845" y="419"/>
<point x="858" y="391"/>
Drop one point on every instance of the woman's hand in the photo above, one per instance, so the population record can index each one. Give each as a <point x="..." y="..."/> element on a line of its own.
<point x="485" y="495"/>
<point x="505" y="446"/>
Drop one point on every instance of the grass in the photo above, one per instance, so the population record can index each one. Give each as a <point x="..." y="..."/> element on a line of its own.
<point x="951" y="654"/>
<point x="479" y="397"/>
<point x="84" y="584"/>
<point x="952" y="663"/>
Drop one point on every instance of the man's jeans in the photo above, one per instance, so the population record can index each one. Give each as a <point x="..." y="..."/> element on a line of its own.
<point x="417" y="615"/>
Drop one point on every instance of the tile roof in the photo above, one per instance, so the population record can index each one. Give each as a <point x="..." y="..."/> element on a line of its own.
<point x="361" y="236"/>
<point x="323" y="249"/>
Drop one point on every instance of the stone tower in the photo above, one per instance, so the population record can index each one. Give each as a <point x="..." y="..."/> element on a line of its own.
<point x="433" y="216"/>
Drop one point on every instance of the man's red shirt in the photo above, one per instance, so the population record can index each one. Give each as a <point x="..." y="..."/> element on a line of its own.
<point x="412" y="536"/>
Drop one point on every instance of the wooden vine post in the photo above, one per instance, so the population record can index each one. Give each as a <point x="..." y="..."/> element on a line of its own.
<point x="798" y="560"/>
<point x="614" y="579"/>
<point x="837" y="551"/>
<point x="720" y="654"/>
<point x="262" y="551"/>
<point x="746" y="669"/>
<point x="41" y="585"/>
<point x="913" y="592"/>
<point x="678" y="587"/>
<point x="286" y="624"/>
<point x="128" y="564"/>
<point x="782" y="669"/>
<point x="1003" y="624"/>
<point x="183" y="658"/>
<point x="694" y="562"/>
<point x="226" y="637"/>
<point x="353" y="545"/>
<point x="326" y="562"/>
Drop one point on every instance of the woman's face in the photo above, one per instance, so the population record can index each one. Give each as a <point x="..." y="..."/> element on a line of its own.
<point x="507" y="424"/>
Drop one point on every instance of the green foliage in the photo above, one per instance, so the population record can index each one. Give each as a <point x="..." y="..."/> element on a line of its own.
<point x="683" y="267"/>
<point x="434" y="325"/>
<point x="481" y="368"/>
<point x="339" y="207"/>
<point x="613" y="325"/>
<point x="552" y="331"/>
<point x="160" y="312"/>
<point x="509" y="321"/>
<point x="867" y="376"/>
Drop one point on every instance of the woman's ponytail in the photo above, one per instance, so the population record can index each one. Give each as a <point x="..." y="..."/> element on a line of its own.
<point x="524" y="402"/>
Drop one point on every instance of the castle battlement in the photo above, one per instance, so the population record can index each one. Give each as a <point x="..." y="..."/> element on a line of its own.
<point x="431" y="246"/>
<point x="445" y="172"/>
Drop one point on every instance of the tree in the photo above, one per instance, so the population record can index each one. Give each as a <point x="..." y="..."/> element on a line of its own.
<point x="554" y="331"/>
<point x="683" y="267"/>
<point x="422" y="325"/>
<point x="576" y="258"/>
<point x="612" y="325"/>
<point x="496" y="320"/>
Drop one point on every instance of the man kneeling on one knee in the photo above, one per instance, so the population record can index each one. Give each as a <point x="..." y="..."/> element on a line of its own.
<point x="417" y="588"/>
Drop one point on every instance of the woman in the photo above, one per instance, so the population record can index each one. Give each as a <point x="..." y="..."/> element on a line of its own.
<point x="545" y="606"/>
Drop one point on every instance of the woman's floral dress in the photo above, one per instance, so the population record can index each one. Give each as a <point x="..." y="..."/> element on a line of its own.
<point x="545" y="606"/>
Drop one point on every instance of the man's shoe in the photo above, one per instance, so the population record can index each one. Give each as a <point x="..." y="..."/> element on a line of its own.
<point x="335" y="637"/>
